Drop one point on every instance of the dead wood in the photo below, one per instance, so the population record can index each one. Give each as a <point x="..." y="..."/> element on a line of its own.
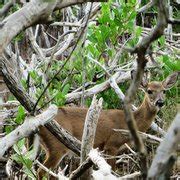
<point x="166" y="152"/>
<point x="89" y="131"/>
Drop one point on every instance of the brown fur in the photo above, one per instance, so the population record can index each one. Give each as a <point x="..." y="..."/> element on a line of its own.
<point x="72" y="119"/>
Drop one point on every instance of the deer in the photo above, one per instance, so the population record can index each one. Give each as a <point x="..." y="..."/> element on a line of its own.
<point x="106" y="139"/>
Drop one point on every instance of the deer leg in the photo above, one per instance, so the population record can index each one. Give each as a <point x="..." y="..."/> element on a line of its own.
<point x="111" y="151"/>
<point x="111" y="148"/>
<point x="51" y="162"/>
<point x="113" y="145"/>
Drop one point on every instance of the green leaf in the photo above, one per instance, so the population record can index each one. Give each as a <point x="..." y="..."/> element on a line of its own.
<point x="162" y="40"/>
<point x="20" y="115"/>
<point x="8" y="129"/>
<point x="19" y="146"/>
<point x="65" y="89"/>
<point x="60" y="99"/>
<point x="24" y="83"/>
<point x="33" y="74"/>
<point x="29" y="173"/>
<point x="132" y="15"/>
<point x="28" y="163"/>
<point x="17" y="158"/>
<point x="105" y="9"/>
<point x="138" y="31"/>
<point x="173" y="65"/>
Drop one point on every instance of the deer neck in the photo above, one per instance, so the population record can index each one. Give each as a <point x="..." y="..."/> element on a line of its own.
<point x="145" y="114"/>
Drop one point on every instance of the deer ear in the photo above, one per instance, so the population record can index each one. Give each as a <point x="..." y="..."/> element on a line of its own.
<point x="170" y="80"/>
<point x="145" y="78"/>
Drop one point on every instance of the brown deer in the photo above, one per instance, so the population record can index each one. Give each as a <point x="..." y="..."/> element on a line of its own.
<point x="72" y="119"/>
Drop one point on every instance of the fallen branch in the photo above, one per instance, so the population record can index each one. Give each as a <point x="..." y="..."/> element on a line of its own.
<point x="81" y="169"/>
<point x="76" y="24"/>
<point x="146" y="7"/>
<point x="143" y="135"/>
<point x="104" y="171"/>
<point x="130" y="176"/>
<point x="120" y="77"/>
<point x="34" y="12"/>
<point x="30" y="125"/>
<point x="10" y="104"/>
<point x="46" y="169"/>
<point x="64" y="136"/>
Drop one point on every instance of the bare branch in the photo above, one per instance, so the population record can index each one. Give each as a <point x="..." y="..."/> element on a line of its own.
<point x="30" y="125"/>
<point x="81" y="169"/>
<point x="120" y="77"/>
<point x="68" y="58"/>
<point x="64" y="137"/>
<point x="16" y="88"/>
<point x="173" y="21"/>
<point x="165" y="156"/>
<point x="104" y="171"/>
<point x="66" y="24"/>
<point x="143" y="135"/>
<point x="131" y="176"/>
<point x="90" y="130"/>
<point x="31" y="13"/>
<point x="64" y="4"/>
<point x="90" y="127"/>
<point x="146" y="7"/>
<point x="158" y="31"/>
<point x="58" y="176"/>
<point x="46" y="169"/>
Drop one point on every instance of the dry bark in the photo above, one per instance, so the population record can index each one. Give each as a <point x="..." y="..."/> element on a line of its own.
<point x="89" y="132"/>
<point x="166" y="152"/>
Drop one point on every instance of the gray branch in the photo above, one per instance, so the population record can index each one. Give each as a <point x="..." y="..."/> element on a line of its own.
<point x="30" y="125"/>
<point x="90" y="130"/>
<point x="166" y="152"/>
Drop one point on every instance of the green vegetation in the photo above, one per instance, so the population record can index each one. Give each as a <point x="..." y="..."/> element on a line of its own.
<point x="117" y="25"/>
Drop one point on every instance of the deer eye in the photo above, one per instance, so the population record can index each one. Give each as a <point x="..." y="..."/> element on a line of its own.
<point x="149" y="91"/>
<point x="164" y="91"/>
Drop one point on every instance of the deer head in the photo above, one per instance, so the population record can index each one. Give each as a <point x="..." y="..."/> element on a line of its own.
<point x="155" y="91"/>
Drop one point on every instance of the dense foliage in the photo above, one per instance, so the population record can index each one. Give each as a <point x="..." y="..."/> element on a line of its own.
<point x="117" y="26"/>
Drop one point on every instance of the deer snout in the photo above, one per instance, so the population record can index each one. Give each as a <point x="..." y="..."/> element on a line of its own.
<point x="160" y="103"/>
